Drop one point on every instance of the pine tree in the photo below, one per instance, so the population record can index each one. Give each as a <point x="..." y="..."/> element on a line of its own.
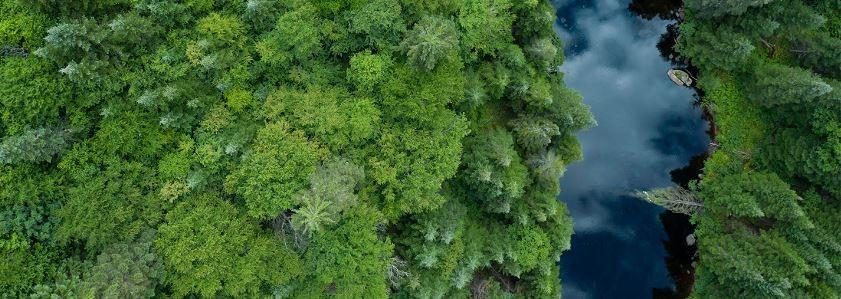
<point x="675" y="199"/>
<point x="125" y="270"/>
<point x="718" y="8"/>
<point x="34" y="145"/>
<point x="430" y="41"/>
<point x="774" y="84"/>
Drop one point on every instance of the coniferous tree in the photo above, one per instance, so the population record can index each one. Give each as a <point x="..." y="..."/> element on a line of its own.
<point x="34" y="145"/>
<point x="774" y="84"/>
<point x="431" y="40"/>
<point x="126" y="270"/>
<point x="718" y="8"/>
<point x="211" y="122"/>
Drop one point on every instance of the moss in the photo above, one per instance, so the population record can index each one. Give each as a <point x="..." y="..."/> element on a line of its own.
<point x="739" y="122"/>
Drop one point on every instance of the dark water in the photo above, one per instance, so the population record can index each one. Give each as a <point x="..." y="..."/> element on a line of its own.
<point x="648" y="127"/>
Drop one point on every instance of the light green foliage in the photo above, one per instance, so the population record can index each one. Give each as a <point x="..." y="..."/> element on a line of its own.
<point x="24" y="266"/>
<point x="736" y="115"/>
<point x="295" y="37"/>
<point x="486" y="26"/>
<point x="287" y="149"/>
<point x="33" y="93"/>
<point x="328" y="116"/>
<point x="208" y="248"/>
<point x="331" y="192"/>
<point x="411" y="165"/>
<point x="368" y="70"/>
<point x="530" y="246"/>
<point x="276" y="167"/>
<point x="221" y="42"/>
<point x="124" y="189"/>
<point x="20" y="25"/>
<point x="430" y="41"/>
<point x="351" y="258"/>
<point x="29" y="184"/>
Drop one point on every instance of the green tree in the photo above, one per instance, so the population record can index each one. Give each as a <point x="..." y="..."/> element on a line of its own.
<point x="125" y="270"/>
<point x="352" y="258"/>
<point x="367" y="70"/>
<point x="485" y="26"/>
<point x="209" y="249"/>
<point x="775" y="84"/>
<point x="331" y="192"/>
<point x="430" y="41"/>
<point x="718" y="8"/>
<point x="277" y="166"/>
<point x="34" y="145"/>
<point x="379" y="22"/>
<point x="296" y="37"/>
<point x="494" y="169"/>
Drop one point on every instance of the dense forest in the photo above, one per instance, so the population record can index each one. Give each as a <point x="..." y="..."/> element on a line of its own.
<point x="768" y="207"/>
<point x="293" y="149"/>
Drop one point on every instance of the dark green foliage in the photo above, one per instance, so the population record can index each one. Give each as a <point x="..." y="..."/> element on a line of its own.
<point x="351" y="258"/>
<point x="124" y="189"/>
<point x="32" y="96"/>
<point x="817" y="52"/>
<point x="773" y="85"/>
<point x="125" y="270"/>
<point x="288" y="149"/>
<point x="77" y="7"/>
<point x="769" y="221"/>
<point x="718" y="8"/>
<point x="34" y="145"/>
<point x="494" y="170"/>
<point x="709" y="46"/>
<point x="757" y="239"/>
<point x="29" y="222"/>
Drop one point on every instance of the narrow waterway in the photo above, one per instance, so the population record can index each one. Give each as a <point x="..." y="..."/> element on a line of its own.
<point x="647" y="127"/>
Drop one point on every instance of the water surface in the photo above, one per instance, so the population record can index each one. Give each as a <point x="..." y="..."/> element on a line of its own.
<point x="647" y="126"/>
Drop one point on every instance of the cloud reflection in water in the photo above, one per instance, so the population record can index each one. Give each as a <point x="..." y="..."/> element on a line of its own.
<point x="647" y="127"/>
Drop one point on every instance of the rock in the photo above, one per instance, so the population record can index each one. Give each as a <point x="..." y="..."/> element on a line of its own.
<point x="690" y="239"/>
<point x="680" y="77"/>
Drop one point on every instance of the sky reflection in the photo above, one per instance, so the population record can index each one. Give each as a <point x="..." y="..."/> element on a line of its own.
<point x="647" y="127"/>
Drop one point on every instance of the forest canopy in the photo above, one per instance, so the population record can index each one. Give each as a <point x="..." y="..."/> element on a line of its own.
<point x="299" y="148"/>
<point x="770" y="216"/>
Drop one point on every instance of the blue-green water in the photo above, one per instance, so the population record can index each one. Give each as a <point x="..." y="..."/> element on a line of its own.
<point x="647" y="127"/>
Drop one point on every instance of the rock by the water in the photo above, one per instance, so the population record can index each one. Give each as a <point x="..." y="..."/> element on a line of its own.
<point x="690" y="240"/>
<point x="680" y="77"/>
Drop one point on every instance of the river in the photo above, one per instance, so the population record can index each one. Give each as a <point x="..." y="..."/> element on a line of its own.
<point x="647" y="127"/>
